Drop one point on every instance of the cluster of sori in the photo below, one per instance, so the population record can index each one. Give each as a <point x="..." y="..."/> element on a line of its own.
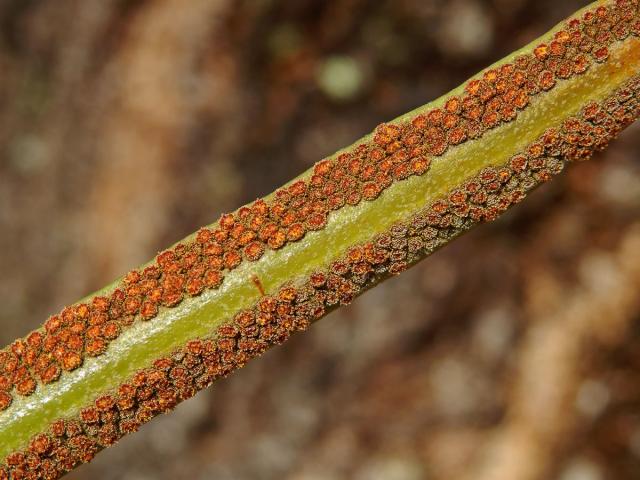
<point x="294" y="307"/>
<point x="395" y="152"/>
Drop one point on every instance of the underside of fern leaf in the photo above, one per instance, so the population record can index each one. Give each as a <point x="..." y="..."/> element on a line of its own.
<point x="203" y="308"/>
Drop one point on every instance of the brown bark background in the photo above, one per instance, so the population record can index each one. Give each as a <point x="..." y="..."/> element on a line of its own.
<point x="512" y="354"/>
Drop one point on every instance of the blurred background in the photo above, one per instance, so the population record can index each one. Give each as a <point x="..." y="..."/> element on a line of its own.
<point x="513" y="354"/>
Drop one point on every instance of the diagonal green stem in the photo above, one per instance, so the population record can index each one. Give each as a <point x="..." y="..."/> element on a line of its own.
<point x="200" y="316"/>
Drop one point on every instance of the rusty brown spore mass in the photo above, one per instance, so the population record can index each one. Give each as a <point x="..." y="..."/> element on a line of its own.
<point x="274" y="318"/>
<point x="396" y="152"/>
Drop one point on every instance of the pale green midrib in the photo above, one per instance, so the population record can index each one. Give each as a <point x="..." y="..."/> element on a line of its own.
<point x="199" y="316"/>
